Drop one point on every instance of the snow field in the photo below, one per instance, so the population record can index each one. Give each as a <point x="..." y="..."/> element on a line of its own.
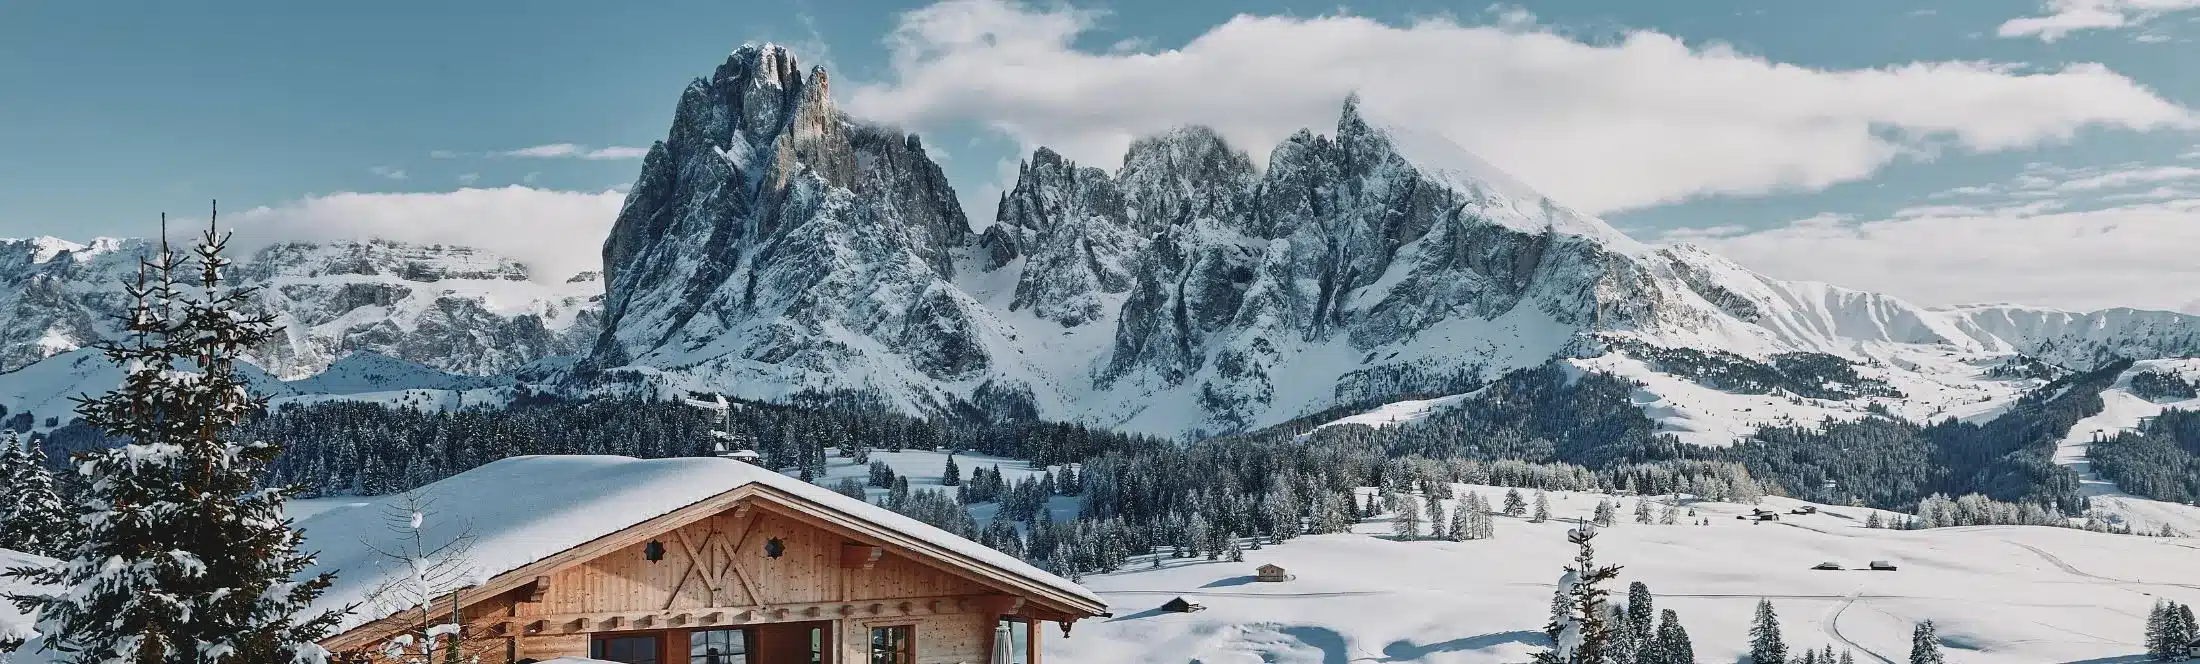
<point x="1999" y="594"/>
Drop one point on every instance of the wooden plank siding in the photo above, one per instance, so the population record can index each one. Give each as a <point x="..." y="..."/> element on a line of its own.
<point x="714" y="572"/>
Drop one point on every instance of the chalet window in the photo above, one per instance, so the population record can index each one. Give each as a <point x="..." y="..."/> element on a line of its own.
<point x="718" y="646"/>
<point x="628" y="649"/>
<point x="1019" y="639"/>
<point x="893" y="645"/>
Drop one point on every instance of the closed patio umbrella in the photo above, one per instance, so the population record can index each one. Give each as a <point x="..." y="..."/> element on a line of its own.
<point x="1004" y="646"/>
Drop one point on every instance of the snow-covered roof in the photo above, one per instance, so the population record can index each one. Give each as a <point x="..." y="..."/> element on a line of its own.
<point x="523" y="509"/>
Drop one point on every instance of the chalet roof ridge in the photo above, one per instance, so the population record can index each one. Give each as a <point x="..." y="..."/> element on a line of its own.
<point x="527" y="509"/>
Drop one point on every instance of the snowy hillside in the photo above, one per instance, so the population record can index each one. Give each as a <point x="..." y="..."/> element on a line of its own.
<point x="1999" y="594"/>
<point x="42" y="395"/>
<point x="773" y="245"/>
<point x="2122" y="410"/>
<point x="451" y="308"/>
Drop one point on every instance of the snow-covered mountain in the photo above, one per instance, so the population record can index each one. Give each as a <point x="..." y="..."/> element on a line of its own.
<point x="772" y="245"/>
<point x="448" y="308"/>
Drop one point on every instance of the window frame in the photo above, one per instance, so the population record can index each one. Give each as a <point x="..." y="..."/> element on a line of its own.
<point x="907" y="651"/>
<point x="1031" y="636"/>
<point x="748" y="641"/>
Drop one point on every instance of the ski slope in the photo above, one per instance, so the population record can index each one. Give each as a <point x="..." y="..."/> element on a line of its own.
<point x="1999" y="594"/>
<point x="2121" y="411"/>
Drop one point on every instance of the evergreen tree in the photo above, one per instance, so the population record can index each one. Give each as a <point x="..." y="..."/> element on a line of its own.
<point x="1583" y="632"/>
<point x="1669" y="516"/>
<point x="1642" y="510"/>
<point x="181" y="557"/>
<point x="1673" y="644"/>
<point x="1641" y="615"/>
<point x="1873" y="521"/>
<point x="1464" y="518"/>
<point x="1514" y="505"/>
<point x="1604" y="515"/>
<point x="2161" y="631"/>
<point x="1624" y="646"/>
<point x="2188" y="632"/>
<point x="1925" y="645"/>
<point x="951" y="476"/>
<point x="1542" y="506"/>
<point x="1765" y="643"/>
<point x="1848" y="657"/>
<point x="32" y="516"/>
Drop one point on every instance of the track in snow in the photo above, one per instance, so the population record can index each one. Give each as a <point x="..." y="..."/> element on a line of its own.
<point x="1833" y="629"/>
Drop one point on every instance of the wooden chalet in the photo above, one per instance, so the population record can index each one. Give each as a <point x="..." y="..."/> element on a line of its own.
<point x="697" y="561"/>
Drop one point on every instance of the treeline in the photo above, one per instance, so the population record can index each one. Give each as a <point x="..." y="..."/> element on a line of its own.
<point x="1887" y="463"/>
<point x="355" y="448"/>
<point x="2161" y="460"/>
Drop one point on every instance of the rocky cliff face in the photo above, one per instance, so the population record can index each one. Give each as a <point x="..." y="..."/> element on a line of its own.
<point x="453" y="309"/>
<point x="773" y="245"/>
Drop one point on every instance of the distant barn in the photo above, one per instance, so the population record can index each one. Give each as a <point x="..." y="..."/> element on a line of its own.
<point x="1271" y="573"/>
<point x="1883" y="565"/>
<point x="1183" y="605"/>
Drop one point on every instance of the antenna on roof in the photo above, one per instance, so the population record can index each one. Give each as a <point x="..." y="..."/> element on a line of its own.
<point x="727" y="443"/>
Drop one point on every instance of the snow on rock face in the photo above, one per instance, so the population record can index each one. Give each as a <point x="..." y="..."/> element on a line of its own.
<point x="772" y="245"/>
<point x="451" y="308"/>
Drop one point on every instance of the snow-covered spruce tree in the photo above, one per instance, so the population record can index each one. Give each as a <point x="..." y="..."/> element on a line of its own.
<point x="1582" y="632"/>
<point x="951" y="476"/>
<point x="32" y="516"/>
<point x="1604" y="516"/>
<point x="1766" y="646"/>
<point x="2161" y="631"/>
<point x="1463" y="518"/>
<point x="1514" y="505"/>
<point x="181" y="558"/>
<point x="1670" y="515"/>
<point x="1624" y="646"/>
<point x="1642" y="613"/>
<point x="2188" y="633"/>
<point x="1642" y="510"/>
<point x="1925" y="644"/>
<point x="1542" y="506"/>
<point x="1673" y="644"/>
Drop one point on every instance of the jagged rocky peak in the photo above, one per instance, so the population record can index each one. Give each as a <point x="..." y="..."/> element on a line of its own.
<point x="767" y="223"/>
<point x="1185" y="173"/>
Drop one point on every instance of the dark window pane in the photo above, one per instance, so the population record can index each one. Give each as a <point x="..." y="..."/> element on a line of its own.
<point x="628" y="649"/>
<point x="892" y="645"/>
<point x="718" y="646"/>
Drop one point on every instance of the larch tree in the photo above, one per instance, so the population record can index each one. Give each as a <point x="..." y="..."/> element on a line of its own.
<point x="1514" y="504"/>
<point x="181" y="557"/>
<point x="1407" y="524"/>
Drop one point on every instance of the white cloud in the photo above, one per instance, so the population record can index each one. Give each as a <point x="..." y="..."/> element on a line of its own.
<point x="469" y="178"/>
<point x="549" y="151"/>
<point x="555" y="232"/>
<point x="2062" y="17"/>
<point x="553" y="151"/>
<point x="1640" y="121"/>
<point x="388" y="172"/>
<point x="575" y="151"/>
<point x="2136" y="255"/>
<point x="2129" y="177"/>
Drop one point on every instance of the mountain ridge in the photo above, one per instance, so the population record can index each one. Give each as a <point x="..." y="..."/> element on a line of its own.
<point x="1188" y="290"/>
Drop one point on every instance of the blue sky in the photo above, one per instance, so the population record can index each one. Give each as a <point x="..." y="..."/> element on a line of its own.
<point x="1941" y="151"/>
